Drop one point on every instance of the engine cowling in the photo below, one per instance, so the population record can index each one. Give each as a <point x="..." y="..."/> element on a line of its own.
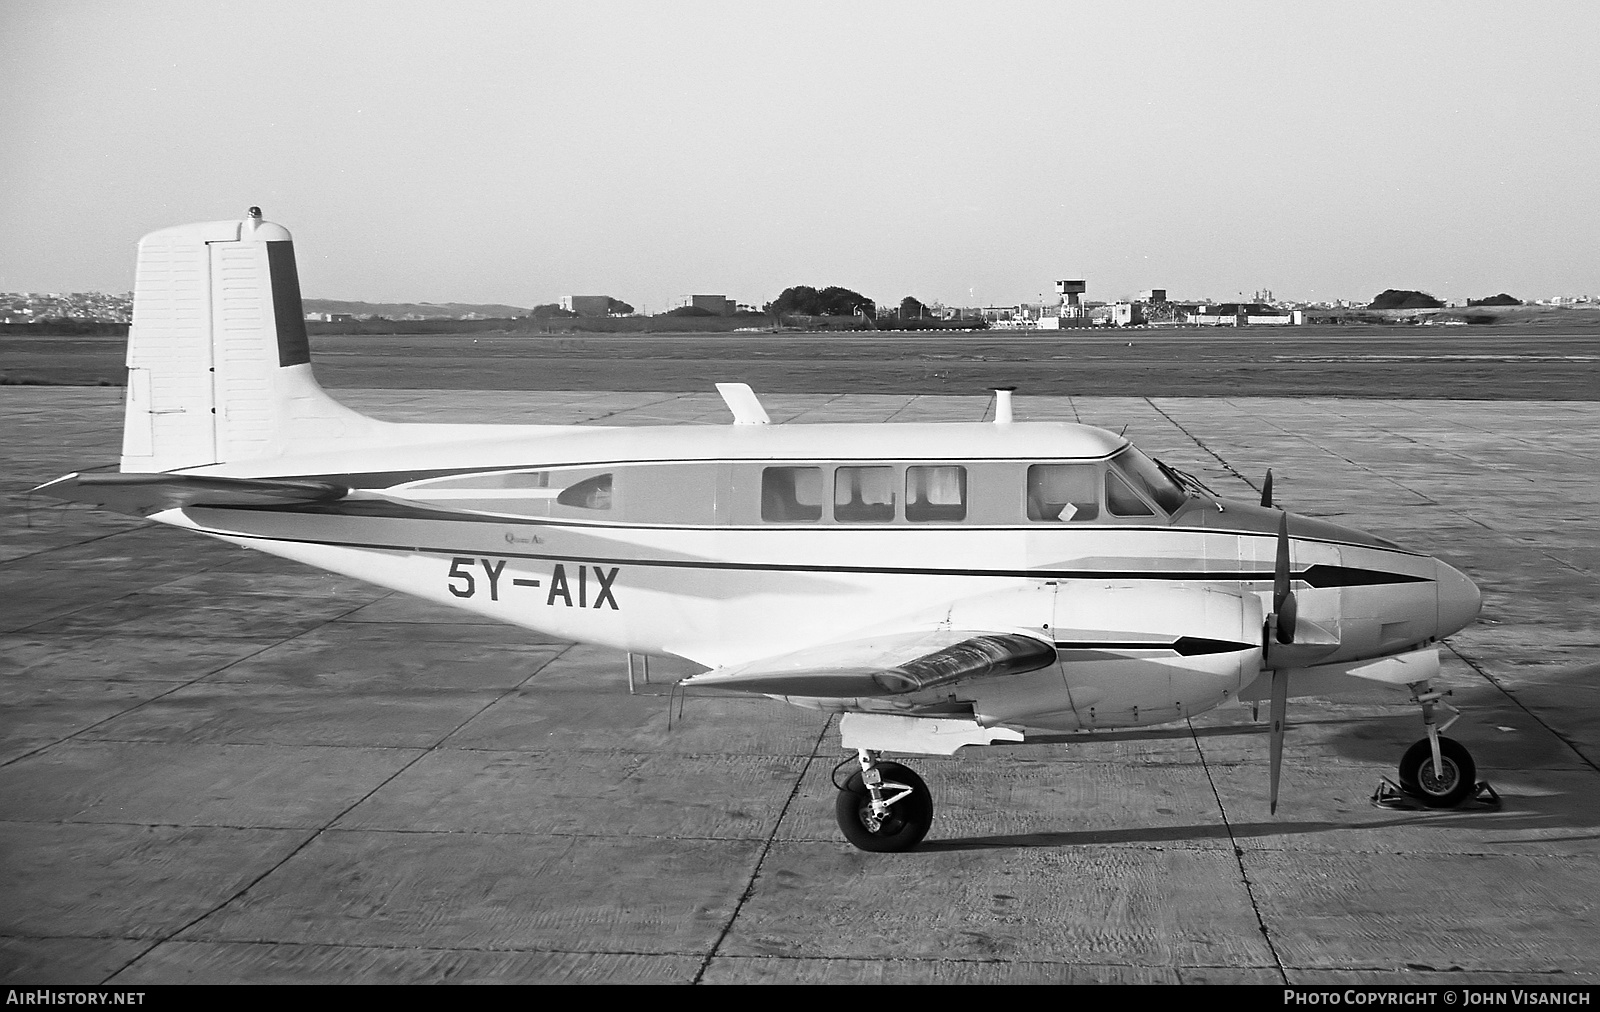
<point x="1135" y="654"/>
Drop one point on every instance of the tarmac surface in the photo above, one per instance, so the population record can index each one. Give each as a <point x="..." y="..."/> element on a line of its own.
<point x="1469" y="363"/>
<point x="216" y="766"/>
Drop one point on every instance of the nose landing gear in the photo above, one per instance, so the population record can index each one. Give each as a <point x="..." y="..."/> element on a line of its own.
<point x="1437" y="772"/>
<point x="884" y="807"/>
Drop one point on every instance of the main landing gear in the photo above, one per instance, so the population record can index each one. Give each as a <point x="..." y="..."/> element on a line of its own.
<point x="884" y="806"/>
<point x="1437" y="772"/>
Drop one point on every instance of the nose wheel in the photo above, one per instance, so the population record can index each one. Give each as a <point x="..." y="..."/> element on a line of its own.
<point x="1444" y="784"/>
<point x="883" y="807"/>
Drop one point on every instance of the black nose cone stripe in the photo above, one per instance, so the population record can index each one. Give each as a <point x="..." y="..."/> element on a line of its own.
<point x="1321" y="576"/>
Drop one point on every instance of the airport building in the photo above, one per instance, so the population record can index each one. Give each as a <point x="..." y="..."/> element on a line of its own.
<point x="1236" y="314"/>
<point x="719" y="305"/>
<point x="587" y="305"/>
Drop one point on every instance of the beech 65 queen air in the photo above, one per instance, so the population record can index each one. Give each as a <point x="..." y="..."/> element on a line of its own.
<point x="937" y="585"/>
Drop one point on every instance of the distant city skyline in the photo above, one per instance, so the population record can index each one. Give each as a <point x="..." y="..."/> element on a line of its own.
<point x="512" y="153"/>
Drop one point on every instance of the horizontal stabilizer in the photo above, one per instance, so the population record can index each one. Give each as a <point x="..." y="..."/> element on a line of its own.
<point x="871" y="668"/>
<point x="144" y="494"/>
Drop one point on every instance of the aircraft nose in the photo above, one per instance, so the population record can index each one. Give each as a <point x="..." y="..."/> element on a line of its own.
<point x="1459" y="600"/>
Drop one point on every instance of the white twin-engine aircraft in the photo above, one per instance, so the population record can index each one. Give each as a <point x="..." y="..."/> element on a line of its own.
<point x="938" y="585"/>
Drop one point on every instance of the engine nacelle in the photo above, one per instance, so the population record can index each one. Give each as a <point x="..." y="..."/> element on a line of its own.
<point x="1131" y="655"/>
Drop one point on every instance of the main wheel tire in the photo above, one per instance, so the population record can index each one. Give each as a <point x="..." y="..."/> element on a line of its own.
<point x="905" y="825"/>
<point x="1438" y="788"/>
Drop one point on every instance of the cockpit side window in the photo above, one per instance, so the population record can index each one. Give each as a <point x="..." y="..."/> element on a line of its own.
<point x="791" y="494"/>
<point x="1122" y="501"/>
<point x="1146" y="475"/>
<point x="589" y="494"/>
<point x="863" y="495"/>
<point x="1063" y="492"/>
<point x="936" y="494"/>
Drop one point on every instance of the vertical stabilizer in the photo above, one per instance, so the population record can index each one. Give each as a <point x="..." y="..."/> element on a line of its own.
<point x="219" y="366"/>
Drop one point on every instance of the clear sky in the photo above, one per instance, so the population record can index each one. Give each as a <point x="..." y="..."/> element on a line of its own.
<point x="966" y="153"/>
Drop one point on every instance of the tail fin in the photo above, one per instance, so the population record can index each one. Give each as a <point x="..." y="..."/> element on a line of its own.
<point x="219" y="366"/>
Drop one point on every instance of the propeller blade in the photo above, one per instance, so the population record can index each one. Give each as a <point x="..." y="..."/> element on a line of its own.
<point x="1283" y="600"/>
<point x="1266" y="490"/>
<point x="1280" y="708"/>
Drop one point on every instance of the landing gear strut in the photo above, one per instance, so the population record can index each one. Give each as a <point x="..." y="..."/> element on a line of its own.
<point x="883" y="807"/>
<point x="1437" y="771"/>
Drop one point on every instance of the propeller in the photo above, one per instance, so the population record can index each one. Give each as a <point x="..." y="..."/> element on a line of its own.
<point x="1284" y="608"/>
<point x="1280" y="709"/>
<point x="1284" y="611"/>
<point x="1266" y="490"/>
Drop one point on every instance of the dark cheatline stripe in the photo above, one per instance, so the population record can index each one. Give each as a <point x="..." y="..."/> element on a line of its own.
<point x="1194" y="646"/>
<point x="1334" y="576"/>
<point x="1321" y="576"/>
<point x="294" y="348"/>
<point x="1183" y="646"/>
<point x="1178" y="576"/>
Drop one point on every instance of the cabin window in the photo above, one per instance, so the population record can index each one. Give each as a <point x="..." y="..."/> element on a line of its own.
<point x="863" y="495"/>
<point x="1122" y="500"/>
<point x="791" y="494"/>
<point x="1063" y="492"/>
<point x="588" y="494"/>
<point x="936" y="494"/>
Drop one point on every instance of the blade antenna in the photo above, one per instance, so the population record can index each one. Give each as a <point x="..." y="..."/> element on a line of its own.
<point x="1266" y="490"/>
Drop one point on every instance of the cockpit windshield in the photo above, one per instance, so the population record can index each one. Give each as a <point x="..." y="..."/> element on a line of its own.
<point x="1148" y="477"/>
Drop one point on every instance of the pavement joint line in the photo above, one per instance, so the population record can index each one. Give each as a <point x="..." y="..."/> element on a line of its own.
<point x="910" y="400"/>
<point x="1506" y="471"/>
<point x="160" y="695"/>
<point x="1238" y="855"/>
<point x="317" y="834"/>
<point x="1427" y="500"/>
<point x="155" y="588"/>
<point x="633" y="407"/>
<point x="807" y="410"/>
<point x="1513" y="697"/>
<point x="755" y="872"/>
<point x="1515" y="540"/>
<point x="1446" y="451"/>
<point x="1408" y="406"/>
<point x="1201" y="443"/>
<point x="75" y="544"/>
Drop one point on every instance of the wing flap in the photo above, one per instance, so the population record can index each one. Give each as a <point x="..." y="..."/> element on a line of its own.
<point x="144" y="494"/>
<point x="891" y="667"/>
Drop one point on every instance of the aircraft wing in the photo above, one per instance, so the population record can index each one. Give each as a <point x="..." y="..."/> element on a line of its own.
<point x="144" y="494"/>
<point x="887" y="665"/>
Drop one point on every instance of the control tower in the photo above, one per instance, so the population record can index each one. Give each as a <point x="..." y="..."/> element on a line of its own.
<point x="1069" y="292"/>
